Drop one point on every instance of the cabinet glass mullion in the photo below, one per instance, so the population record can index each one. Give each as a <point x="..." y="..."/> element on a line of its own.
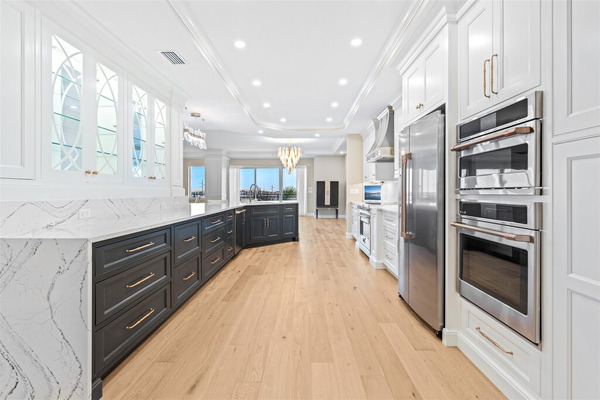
<point x="107" y="103"/>
<point x="139" y="99"/>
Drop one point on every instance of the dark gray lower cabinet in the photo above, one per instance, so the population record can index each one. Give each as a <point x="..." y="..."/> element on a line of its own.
<point x="139" y="279"/>
<point x="126" y="331"/>
<point x="186" y="280"/>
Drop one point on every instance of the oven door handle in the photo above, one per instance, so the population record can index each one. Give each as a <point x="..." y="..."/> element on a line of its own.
<point x="504" y="235"/>
<point x="520" y="130"/>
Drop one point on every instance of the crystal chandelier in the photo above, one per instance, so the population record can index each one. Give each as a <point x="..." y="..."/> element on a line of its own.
<point x="195" y="137"/>
<point x="289" y="157"/>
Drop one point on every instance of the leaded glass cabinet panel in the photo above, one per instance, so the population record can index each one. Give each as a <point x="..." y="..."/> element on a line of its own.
<point x="140" y="132"/>
<point x="107" y="107"/>
<point x="160" y="139"/>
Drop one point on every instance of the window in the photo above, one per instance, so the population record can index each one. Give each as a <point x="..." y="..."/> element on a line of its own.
<point x="273" y="184"/>
<point x="290" y="191"/>
<point x="67" y="75"/>
<point x="197" y="182"/>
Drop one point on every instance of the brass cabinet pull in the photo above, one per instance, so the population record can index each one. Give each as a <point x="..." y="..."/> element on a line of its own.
<point x="240" y="212"/>
<point x="140" y="248"/>
<point x="88" y="172"/>
<point x="504" y="235"/>
<point x="485" y="79"/>
<point x="94" y="172"/>
<point x="215" y="261"/>
<point x="231" y="231"/>
<point x="216" y="240"/>
<point x="189" y="239"/>
<point x="187" y="278"/>
<point x="229" y="248"/>
<point x="140" y="320"/>
<point x="388" y="238"/>
<point x="478" y="329"/>
<point x="215" y="221"/>
<point x="140" y="281"/>
<point x="264" y="222"/>
<point x="521" y="130"/>
<point x="403" y="233"/>
<point x="152" y="177"/>
<point x="492" y="74"/>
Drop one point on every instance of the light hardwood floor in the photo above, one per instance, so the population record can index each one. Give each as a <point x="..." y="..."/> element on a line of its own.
<point x="301" y="320"/>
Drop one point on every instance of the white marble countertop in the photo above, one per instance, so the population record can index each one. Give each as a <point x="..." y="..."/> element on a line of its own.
<point x="393" y="207"/>
<point x="96" y="230"/>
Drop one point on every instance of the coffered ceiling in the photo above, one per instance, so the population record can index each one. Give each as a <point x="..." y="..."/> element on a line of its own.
<point x="298" y="77"/>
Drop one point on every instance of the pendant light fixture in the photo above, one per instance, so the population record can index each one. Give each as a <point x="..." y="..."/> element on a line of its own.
<point x="289" y="156"/>
<point x="195" y="136"/>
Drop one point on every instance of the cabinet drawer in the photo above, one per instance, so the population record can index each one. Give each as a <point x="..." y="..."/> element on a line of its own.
<point x="264" y="210"/>
<point x="186" y="240"/>
<point x="211" y="240"/>
<point x="229" y="248"/>
<point x="213" y="222"/>
<point x="390" y="257"/>
<point x="290" y="208"/>
<point x="229" y="230"/>
<point x="186" y="279"/>
<point x="498" y="341"/>
<point x="122" y="334"/>
<point x="229" y="215"/>
<point x="117" y="292"/>
<point x="390" y="237"/>
<point x="390" y="220"/>
<point x="212" y="262"/>
<point x="112" y="257"/>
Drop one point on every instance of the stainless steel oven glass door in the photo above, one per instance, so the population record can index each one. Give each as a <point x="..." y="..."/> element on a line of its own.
<point x="499" y="272"/>
<point x="501" y="163"/>
<point x="365" y="230"/>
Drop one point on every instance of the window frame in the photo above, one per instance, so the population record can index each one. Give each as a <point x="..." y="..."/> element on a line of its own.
<point x="281" y="172"/>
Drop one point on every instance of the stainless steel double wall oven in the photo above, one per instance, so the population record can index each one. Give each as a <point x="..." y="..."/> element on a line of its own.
<point x="499" y="218"/>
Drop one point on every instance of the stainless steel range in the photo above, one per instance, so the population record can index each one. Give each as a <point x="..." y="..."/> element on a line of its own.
<point x="364" y="228"/>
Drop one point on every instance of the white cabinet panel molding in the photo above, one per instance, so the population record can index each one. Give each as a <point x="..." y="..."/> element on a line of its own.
<point x="576" y="274"/>
<point x="17" y="90"/>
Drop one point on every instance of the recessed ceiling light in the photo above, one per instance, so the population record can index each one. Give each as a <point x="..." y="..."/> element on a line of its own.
<point x="317" y="135"/>
<point x="356" y="42"/>
<point x="256" y="82"/>
<point x="334" y="104"/>
<point x="329" y="119"/>
<point x="343" y="82"/>
<point x="261" y="131"/>
<point x="266" y="105"/>
<point x="240" y="44"/>
<point x="283" y="119"/>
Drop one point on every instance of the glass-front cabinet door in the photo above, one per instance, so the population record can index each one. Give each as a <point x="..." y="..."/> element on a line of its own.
<point x="85" y="125"/>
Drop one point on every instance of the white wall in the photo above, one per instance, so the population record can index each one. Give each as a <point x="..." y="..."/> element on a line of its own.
<point x="332" y="169"/>
<point x="354" y="173"/>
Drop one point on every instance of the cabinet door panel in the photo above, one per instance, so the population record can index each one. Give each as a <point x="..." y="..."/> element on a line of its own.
<point x="475" y="46"/>
<point x="576" y="65"/>
<point x="257" y="229"/>
<point x="576" y="279"/>
<point x="273" y="230"/>
<point x="414" y="81"/>
<point x="517" y="45"/>
<point x="434" y="73"/>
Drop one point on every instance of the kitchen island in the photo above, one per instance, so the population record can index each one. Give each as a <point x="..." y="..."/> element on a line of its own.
<point x="49" y="322"/>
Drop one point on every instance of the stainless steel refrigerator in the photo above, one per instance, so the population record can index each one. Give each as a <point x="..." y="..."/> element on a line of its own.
<point x="421" y="250"/>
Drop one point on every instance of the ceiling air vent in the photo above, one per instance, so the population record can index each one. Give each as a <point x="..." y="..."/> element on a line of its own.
<point x="172" y="57"/>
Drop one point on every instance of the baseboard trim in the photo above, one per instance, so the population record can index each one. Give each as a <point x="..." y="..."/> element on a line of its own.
<point x="349" y="235"/>
<point x="450" y="337"/>
<point x="321" y="216"/>
<point x="495" y="372"/>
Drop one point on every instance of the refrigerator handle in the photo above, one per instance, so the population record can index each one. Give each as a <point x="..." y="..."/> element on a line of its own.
<point x="403" y="233"/>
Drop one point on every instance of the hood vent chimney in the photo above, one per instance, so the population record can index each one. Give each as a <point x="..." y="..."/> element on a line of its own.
<point x="383" y="146"/>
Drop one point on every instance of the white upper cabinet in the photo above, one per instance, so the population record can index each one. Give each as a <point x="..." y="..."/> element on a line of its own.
<point x="576" y="38"/>
<point x="423" y="81"/>
<point x="17" y="90"/>
<point x="499" y="52"/>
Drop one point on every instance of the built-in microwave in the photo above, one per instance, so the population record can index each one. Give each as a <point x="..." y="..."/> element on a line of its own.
<point x="500" y="152"/>
<point x="372" y="193"/>
<point x="499" y="261"/>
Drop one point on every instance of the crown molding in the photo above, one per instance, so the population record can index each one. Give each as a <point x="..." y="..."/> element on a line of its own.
<point x="204" y="46"/>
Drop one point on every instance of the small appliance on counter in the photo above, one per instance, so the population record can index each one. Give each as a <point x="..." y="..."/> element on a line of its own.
<point x="372" y="193"/>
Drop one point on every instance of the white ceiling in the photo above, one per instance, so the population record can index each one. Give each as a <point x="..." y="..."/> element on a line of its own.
<point x="299" y="50"/>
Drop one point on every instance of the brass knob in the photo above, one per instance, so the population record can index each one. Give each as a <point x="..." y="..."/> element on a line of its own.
<point x="94" y="172"/>
<point x="87" y="172"/>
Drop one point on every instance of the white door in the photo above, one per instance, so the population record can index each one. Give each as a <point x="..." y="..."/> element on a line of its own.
<point x="475" y="52"/>
<point x="517" y="45"/>
<point x="576" y="65"/>
<point x="576" y="266"/>
<point x="414" y="93"/>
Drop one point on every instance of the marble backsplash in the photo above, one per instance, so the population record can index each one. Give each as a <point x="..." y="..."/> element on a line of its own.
<point x="17" y="218"/>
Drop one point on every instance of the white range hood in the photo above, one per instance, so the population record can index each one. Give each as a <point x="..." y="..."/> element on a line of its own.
<point x="383" y="146"/>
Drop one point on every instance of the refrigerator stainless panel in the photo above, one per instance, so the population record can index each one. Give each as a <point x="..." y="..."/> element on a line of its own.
<point x="421" y="275"/>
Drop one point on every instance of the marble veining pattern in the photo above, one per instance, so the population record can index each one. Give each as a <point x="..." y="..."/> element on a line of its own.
<point x="18" y="218"/>
<point x="45" y="319"/>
